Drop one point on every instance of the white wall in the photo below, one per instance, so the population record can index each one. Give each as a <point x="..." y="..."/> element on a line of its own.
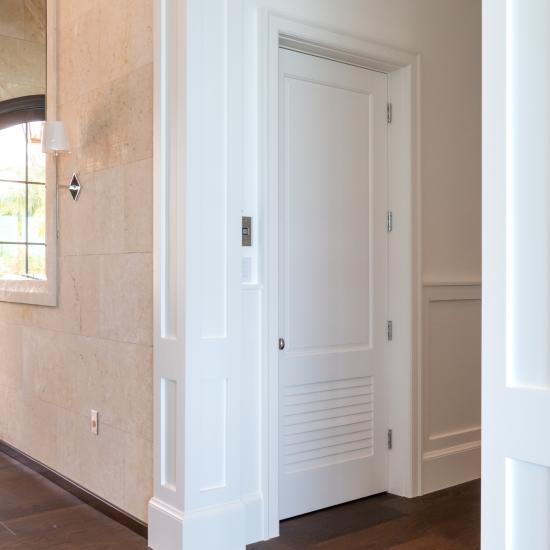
<point x="447" y="34"/>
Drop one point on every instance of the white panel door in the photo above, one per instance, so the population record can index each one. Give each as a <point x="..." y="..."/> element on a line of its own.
<point x="332" y="283"/>
<point x="516" y="278"/>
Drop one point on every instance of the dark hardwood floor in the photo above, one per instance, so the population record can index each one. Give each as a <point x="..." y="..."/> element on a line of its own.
<point x="446" y="520"/>
<point x="35" y="514"/>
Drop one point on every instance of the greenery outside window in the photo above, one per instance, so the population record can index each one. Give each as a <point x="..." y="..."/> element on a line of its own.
<point x="22" y="203"/>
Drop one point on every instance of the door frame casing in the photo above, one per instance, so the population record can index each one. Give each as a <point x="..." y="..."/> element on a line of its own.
<point x="404" y="244"/>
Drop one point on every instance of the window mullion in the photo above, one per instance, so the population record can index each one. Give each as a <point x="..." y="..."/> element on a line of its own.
<point x="27" y="198"/>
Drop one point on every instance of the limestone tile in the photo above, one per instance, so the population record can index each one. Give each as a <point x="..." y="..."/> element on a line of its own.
<point x="138" y="475"/>
<point x="16" y="314"/>
<point x="117" y="296"/>
<point x="104" y="126"/>
<point x="114" y="213"/>
<point x="11" y="344"/>
<point x="117" y="380"/>
<point x="102" y="461"/>
<point x="140" y="116"/>
<point x="9" y="90"/>
<point x="138" y="206"/>
<point x="35" y="20"/>
<point x="67" y="68"/>
<point x="52" y="362"/>
<point x="12" y="412"/>
<point x="94" y="461"/>
<point x="115" y="122"/>
<point x="85" y="34"/>
<point x="79" y="64"/>
<point x="70" y="427"/>
<point x="39" y="430"/>
<point x="22" y="62"/>
<point x="69" y="111"/>
<point x="140" y="51"/>
<point x="12" y="22"/>
<point x="108" y="212"/>
<point x="93" y="224"/>
<point x="95" y="132"/>
<point x="68" y="11"/>
<point x="128" y="36"/>
<point x="4" y="396"/>
<point x="121" y="105"/>
<point x="31" y="426"/>
<point x="66" y="316"/>
<point x="116" y="18"/>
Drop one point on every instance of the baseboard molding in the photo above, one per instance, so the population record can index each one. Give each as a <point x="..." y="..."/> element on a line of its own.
<point x="451" y="466"/>
<point x="165" y="526"/>
<point x="254" y="517"/>
<point x="211" y="528"/>
<point x="96" y="502"/>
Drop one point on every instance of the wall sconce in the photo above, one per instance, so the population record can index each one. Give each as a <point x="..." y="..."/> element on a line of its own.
<point x="54" y="138"/>
<point x="55" y="142"/>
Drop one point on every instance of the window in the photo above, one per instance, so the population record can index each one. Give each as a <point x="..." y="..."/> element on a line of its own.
<point x="28" y="179"/>
<point x="22" y="203"/>
<point x="28" y="259"/>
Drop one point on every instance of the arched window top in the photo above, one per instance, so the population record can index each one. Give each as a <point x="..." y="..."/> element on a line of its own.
<point x="22" y="190"/>
<point x="23" y="109"/>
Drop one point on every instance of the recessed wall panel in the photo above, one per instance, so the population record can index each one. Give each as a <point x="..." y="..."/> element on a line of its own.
<point x="213" y="433"/>
<point x="528" y="193"/>
<point x="452" y="377"/>
<point x="168" y="432"/>
<point x="328" y="200"/>
<point x="208" y="168"/>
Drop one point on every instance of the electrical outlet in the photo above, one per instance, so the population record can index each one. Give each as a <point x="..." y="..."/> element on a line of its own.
<point x="93" y="421"/>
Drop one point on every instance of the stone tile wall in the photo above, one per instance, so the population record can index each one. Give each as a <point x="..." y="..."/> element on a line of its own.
<point x="22" y="48"/>
<point x="95" y="349"/>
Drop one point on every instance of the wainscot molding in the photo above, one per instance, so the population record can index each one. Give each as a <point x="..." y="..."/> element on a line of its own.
<point x="451" y="466"/>
<point x="450" y="384"/>
<point x="427" y="283"/>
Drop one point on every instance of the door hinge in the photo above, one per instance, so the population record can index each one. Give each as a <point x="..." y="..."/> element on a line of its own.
<point x="390" y="439"/>
<point x="389" y="113"/>
<point x="389" y="330"/>
<point x="389" y="221"/>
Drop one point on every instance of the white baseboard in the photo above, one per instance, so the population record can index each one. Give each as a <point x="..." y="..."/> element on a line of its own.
<point x="451" y="466"/>
<point x="214" y="528"/>
<point x="165" y="526"/>
<point x="254" y="517"/>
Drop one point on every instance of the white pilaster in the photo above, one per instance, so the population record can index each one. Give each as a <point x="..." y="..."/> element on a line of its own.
<point x="197" y="501"/>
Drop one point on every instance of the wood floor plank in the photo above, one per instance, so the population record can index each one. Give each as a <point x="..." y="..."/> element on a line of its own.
<point x="36" y="514"/>
<point x="446" y="520"/>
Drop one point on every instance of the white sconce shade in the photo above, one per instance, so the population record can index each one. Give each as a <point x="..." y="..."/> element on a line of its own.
<point x="54" y="138"/>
